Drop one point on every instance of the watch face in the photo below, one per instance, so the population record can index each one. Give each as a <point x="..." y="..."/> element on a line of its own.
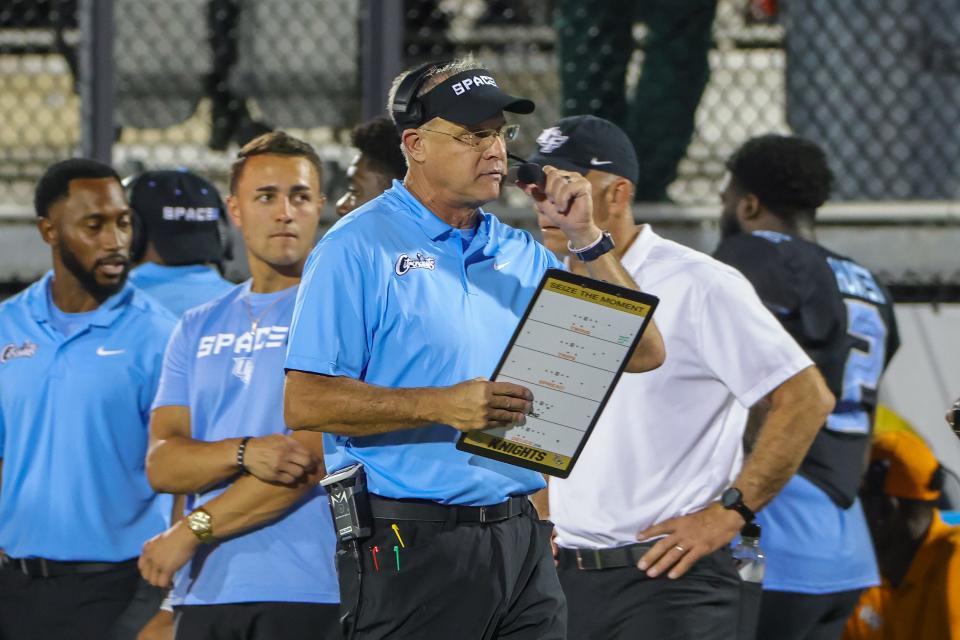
<point x="199" y="520"/>
<point x="730" y="497"/>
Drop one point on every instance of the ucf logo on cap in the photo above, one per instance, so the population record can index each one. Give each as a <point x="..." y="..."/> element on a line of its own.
<point x="551" y="139"/>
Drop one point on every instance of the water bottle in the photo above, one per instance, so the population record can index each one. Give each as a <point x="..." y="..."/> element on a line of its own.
<point x="749" y="556"/>
<point x="751" y="563"/>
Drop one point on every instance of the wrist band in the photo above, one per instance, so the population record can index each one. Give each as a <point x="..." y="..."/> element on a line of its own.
<point x="241" y="451"/>
<point x="586" y="248"/>
<point x="595" y="249"/>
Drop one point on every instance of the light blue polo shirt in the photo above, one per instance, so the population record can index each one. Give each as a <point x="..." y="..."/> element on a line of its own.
<point x="180" y="288"/>
<point x="391" y="297"/>
<point x="73" y="427"/>
<point x="232" y="381"/>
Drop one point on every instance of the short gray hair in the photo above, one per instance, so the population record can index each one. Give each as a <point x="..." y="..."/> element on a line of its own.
<point x="434" y="77"/>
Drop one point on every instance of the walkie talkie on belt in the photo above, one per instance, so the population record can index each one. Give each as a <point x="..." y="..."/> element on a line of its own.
<point x="352" y="518"/>
<point x="349" y="503"/>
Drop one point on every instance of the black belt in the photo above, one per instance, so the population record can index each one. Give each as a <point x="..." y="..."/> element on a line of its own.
<point x="43" y="568"/>
<point x="594" y="559"/>
<point x="423" y="511"/>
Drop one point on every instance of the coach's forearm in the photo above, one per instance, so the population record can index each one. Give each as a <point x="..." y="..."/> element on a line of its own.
<point x="798" y="408"/>
<point x="650" y="352"/>
<point x="178" y="464"/>
<point x="348" y="407"/>
<point x="249" y="502"/>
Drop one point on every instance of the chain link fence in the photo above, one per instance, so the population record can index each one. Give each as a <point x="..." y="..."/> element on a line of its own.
<point x="39" y="105"/>
<point x="873" y="81"/>
<point x="877" y="83"/>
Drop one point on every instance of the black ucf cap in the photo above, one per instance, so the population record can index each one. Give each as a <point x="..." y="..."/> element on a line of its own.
<point x="180" y="214"/>
<point x="467" y="98"/>
<point x="582" y="143"/>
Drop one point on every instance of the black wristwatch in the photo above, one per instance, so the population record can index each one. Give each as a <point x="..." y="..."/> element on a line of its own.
<point x="732" y="499"/>
<point x="592" y="251"/>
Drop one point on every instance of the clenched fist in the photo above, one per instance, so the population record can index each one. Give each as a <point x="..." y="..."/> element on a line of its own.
<point x="481" y="404"/>
<point x="278" y="459"/>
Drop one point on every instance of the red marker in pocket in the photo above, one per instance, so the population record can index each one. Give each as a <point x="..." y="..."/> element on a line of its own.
<point x="373" y="552"/>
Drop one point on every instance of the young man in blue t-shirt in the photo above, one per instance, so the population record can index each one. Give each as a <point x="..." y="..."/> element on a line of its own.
<point x="254" y="557"/>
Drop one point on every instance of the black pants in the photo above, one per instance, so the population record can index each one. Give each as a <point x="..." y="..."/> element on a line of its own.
<point x="77" y="606"/>
<point x="801" y="616"/>
<point x="144" y="605"/>
<point x="465" y="581"/>
<point x="257" y="621"/>
<point x="624" y="604"/>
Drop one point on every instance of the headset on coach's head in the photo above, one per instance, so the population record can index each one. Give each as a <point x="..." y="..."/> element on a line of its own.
<point x="406" y="108"/>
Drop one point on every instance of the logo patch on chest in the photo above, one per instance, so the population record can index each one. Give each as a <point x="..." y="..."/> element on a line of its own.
<point x="243" y="369"/>
<point x="405" y="263"/>
<point x="11" y="351"/>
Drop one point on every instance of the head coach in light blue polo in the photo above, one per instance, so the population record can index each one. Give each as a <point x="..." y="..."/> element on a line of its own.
<point x="80" y="356"/>
<point x="405" y="306"/>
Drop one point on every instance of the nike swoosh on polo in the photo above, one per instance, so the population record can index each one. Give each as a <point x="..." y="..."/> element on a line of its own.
<point x="500" y="265"/>
<point x="108" y="352"/>
<point x="597" y="163"/>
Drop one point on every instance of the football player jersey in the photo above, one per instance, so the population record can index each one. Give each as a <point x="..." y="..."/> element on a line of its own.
<point x="843" y="318"/>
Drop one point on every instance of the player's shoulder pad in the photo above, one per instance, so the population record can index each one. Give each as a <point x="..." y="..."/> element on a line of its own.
<point x="771" y="236"/>
<point x="751" y="248"/>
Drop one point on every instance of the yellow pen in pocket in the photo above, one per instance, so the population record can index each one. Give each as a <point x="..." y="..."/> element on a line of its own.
<point x="396" y="532"/>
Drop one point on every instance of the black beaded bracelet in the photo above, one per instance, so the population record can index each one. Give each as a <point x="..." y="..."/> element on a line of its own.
<point x="241" y="451"/>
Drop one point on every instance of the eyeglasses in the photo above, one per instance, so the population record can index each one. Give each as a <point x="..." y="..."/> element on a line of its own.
<point x="482" y="139"/>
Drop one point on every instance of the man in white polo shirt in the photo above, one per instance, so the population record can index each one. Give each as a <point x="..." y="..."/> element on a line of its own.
<point x="645" y="520"/>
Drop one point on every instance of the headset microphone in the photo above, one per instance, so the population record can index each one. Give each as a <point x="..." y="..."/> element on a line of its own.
<point x="531" y="173"/>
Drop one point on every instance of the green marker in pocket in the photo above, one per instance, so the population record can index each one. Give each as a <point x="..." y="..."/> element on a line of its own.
<point x="396" y="552"/>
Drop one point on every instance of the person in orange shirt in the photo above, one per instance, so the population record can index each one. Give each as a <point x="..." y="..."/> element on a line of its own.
<point x="918" y="554"/>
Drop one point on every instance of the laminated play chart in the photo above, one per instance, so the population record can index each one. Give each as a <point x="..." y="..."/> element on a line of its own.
<point x="569" y="349"/>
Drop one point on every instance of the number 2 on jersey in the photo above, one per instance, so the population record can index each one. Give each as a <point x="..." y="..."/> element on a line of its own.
<point x="863" y="368"/>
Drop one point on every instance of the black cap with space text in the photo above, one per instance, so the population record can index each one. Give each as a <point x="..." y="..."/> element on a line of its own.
<point x="179" y="213"/>
<point x="469" y="98"/>
<point x="582" y="143"/>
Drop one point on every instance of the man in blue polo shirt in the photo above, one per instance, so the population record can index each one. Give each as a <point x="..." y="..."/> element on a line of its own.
<point x="179" y="239"/>
<point x="406" y="304"/>
<point x="80" y="356"/>
<point x="217" y="431"/>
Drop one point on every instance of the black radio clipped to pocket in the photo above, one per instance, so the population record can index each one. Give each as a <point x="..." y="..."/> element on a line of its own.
<point x="349" y="502"/>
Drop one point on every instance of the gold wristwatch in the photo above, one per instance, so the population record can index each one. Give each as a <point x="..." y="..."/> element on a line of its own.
<point x="201" y="524"/>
